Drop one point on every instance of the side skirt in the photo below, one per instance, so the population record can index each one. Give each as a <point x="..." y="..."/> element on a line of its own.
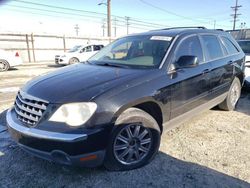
<point x="173" y="123"/>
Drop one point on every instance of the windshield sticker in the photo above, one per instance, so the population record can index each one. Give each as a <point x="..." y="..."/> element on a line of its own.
<point x="165" y="38"/>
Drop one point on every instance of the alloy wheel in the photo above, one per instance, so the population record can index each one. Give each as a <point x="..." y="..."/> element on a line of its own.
<point x="132" y="144"/>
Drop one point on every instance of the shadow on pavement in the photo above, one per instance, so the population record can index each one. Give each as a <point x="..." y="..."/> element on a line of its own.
<point x="55" y="65"/>
<point x="19" y="169"/>
<point x="243" y="105"/>
<point x="3" y="118"/>
<point x="13" y="69"/>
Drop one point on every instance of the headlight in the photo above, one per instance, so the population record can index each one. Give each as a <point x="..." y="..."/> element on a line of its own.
<point x="74" y="114"/>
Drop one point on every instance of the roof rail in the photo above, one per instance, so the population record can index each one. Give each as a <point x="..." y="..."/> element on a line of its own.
<point x="219" y="29"/>
<point x="192" y="27"/>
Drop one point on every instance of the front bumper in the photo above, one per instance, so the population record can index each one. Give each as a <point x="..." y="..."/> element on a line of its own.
<point x="61" y="61"/>
<point x="86" y="148"/>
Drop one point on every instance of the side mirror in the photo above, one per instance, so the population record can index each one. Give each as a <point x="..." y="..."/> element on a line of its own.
<point x="187" y="61"/>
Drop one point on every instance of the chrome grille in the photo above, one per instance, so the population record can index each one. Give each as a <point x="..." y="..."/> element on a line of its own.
<point x="29" y="110"/>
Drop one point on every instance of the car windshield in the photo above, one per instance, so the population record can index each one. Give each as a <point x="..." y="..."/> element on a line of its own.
<point x="245" y="46"/>
<point x="75" y="48"/>
<point x="133" y="52"/>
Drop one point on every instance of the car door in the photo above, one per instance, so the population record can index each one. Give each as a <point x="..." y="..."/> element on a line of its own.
<point x="221" y="64"/>
<point x="86" y="53"/>
<point x="190" y="86"/>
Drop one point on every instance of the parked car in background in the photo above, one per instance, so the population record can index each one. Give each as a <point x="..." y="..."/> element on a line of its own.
<point x="113" y="109"/>
<point x="9" y="59"/>
<point x="245" y="45"/>
<point x="77" y="54"/>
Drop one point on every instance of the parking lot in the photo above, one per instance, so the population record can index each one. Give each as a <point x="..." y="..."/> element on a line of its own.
<point x="210" y="150"/>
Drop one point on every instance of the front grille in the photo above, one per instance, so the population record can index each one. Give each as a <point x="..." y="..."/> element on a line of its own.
<point x="29" y="110"/>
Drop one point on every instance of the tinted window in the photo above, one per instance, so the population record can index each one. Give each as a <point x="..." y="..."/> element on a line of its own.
<point x="190" y="46"/>
<point x="229" y="45"/>
<point x="88" y="49"/>
<point x="97" y="47"/>
<point x="245" y="45"/>
<point x="212" y="47"/>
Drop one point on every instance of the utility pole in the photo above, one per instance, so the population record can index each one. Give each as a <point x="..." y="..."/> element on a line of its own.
<point x="103" y="28"/>
<point x="77" y="29"/>
<point x="235" y="15"/>
<point x="214" y="24"/>
<point x="127" y="23"/>
<point x="109" y="17"/>
<point x="115" y="20"/>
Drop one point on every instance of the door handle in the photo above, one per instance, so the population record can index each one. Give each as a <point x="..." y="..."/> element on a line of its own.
<point x="230" y="62"/>
<point x="206" y="71"/>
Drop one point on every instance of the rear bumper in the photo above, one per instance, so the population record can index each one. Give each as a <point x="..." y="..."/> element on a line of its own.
<point x="86" y="148"/>
<point x="16" y="61"/>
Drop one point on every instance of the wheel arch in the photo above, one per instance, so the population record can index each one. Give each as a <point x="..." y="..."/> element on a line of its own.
<point x="153" y="108"/>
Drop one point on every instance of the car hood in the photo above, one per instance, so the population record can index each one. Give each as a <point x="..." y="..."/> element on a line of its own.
<point x="78" y="83"/>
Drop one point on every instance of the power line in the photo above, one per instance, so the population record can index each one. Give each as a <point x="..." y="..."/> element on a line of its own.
<point x="72" y="18"/>
<point x="53" y="11"/>
<point x="80" y="10"/>
<point x="134" y="21"/>
<point x="169" y="12"/>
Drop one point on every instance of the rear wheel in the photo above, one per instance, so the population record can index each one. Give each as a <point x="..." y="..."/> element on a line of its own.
<point x="73" y="60"/>
<point x="232" y="97"/>
<point x="134" y="141"/>
<point x="4" y="65"/>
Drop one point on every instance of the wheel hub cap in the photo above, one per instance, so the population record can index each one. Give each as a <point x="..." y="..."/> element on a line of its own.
<point x="132" y="144"/>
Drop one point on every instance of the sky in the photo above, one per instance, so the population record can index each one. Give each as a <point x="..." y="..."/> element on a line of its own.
<point x="38" y="16"/>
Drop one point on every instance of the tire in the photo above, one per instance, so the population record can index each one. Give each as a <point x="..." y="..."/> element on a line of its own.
<point x="232" y="97"/>
<point x="134" y="142"/>
<point x="4" y="65"/>
<point x="73" y="60"/>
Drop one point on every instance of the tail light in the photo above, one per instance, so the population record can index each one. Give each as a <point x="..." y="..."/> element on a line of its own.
<point x="17" y="54"/>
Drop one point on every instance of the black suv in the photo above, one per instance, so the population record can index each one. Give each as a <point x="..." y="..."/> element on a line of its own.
<point x="113" y="108"/>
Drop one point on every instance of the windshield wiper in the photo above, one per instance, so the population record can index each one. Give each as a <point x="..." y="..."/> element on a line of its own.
<point x="112" y="65"/>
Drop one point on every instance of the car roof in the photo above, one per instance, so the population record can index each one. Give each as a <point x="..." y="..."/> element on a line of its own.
<point x="172" y="32"/>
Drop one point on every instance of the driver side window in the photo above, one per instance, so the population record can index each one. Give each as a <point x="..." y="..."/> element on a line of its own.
<point x="190" y="47"/>
<point x="88" y="49"/>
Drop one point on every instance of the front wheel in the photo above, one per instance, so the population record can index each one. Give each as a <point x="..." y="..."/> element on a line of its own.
<point x="232" y="97"/>
<point x="134" y="141"/>
<point x="73" y="60"/>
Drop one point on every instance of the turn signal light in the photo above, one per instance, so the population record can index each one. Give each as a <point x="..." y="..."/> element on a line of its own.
<point x="88" y="158"/>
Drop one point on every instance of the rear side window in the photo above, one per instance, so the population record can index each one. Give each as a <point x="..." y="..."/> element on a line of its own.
<point x="97" y="47"/>
<point x="229" y="45"/>
<point x="190" y="46"/>
<point x="212" y="47"/>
